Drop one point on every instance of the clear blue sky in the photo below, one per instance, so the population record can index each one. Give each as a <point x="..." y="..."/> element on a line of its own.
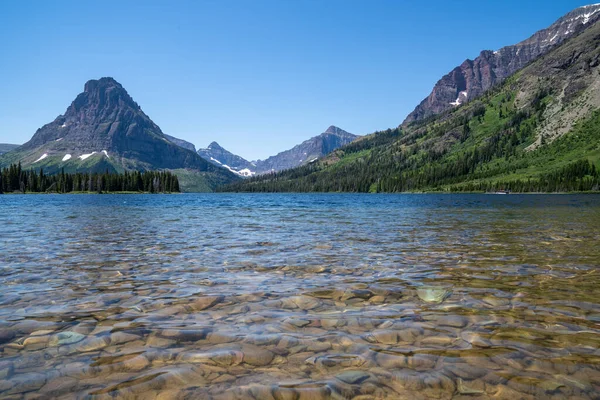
<point x="258" y="76"/>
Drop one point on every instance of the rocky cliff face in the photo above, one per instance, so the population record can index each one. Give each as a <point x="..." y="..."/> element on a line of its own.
<point x="104" y="128"/>
<point x="473" y="77"/>
<point x="307" y="151"/>
<point x="217" y="155"/>
<point x="104" y="119"/>
<point x="180" y="142"/>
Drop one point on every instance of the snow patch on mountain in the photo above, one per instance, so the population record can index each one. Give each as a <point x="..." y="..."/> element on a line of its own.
<point x="42" y="157"/>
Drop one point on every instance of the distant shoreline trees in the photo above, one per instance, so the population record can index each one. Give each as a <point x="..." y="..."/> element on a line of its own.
<point x="15" y="179"/>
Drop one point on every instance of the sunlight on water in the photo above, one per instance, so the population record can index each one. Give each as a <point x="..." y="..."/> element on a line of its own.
<point x="300" y="296"/>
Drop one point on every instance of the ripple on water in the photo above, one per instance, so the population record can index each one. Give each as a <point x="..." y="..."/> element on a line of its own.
<point x="300" y="296"/>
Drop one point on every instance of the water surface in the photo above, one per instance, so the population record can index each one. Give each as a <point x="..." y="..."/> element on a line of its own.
<point x="236" y="296"/>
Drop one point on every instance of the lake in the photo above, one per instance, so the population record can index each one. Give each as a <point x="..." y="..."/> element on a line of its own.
<point x="300" y="296"/>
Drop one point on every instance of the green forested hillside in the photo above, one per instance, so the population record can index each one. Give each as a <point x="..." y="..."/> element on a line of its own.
<point x="538" y="131"/>
<point x="15" y="179"/>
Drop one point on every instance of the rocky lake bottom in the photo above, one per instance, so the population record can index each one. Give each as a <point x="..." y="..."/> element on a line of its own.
<point x="329" y="296"/>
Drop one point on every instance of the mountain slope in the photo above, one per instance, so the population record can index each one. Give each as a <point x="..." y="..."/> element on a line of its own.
<point x="5" y="147"/>
<point x="105" y="129"/>
<point x="180" y="142"/>
<point x="538" y="131"/>
<point x="301" y="154"/>
<point x="474" y="77"/>
<point x="307" y="151"/>
<point x="217" y="155"/>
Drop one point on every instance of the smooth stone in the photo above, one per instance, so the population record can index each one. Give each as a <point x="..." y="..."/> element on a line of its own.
<point x="299" y="323"/>
<point x="122" y="337"/>
<point x="408" y="335"/>
<point x="377" y="299"/>
<point x="433" y="294"/>
<point x="223" y="358"/>
<point x="474" y="339"/>
<point x="60" y="385"/>
<point x="305" y="302"/>
<point x="421" y="362"/>
<point x="356" y="293"/>
<point x="383" y="337"/>
<point x="42" y="332"/>
<point x="465" y="371"/>
<point x="454" y="321"/>
<point x="136" y="363"/>
<point x="27" y="382"/>
<point x="65" y="338"/>
<point x="6" y="335"/>
<point x="6" y="370"/>
<point x="92" y="344"/>
<point x="437" y="340"/>
<point x="257" y="356"/>
<point x="205" y="302"/>
<point x="387" y="360"/>
<point x="326" y="294"/>
<point x="551" y="385"/>
<point x="185" y="335"/>
<point x="464" y="388"/>
<point x="496" y="301"/>
<point x="353" y="377"/>
<point x="5" y="385"/>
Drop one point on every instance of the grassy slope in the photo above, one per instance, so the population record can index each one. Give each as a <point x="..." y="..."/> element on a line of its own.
<point x="554" y="95"/>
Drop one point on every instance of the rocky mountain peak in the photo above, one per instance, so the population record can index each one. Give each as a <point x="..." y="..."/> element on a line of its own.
<point x="99" y="99"/>
<point x="473" y="77"/>
<point x="334" y="130"/>
<point x="105" y="129"/>
<point x="215" y="146"/>
<point x="102" y="83"/>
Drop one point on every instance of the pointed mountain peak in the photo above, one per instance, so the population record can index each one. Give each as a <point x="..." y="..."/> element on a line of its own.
<point x="102" y="83"/>
<point x="101" y="98"/>
<point x="333" y="129"/>
<point x="214" y="146"/>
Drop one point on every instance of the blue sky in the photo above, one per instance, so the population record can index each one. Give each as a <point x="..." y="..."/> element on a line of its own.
<point x="258" y="76"/>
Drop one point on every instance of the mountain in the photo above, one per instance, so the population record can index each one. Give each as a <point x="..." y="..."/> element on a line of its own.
<point x="5" y="147"/>
<point x="217" y="155"/>
<point x="306" y="152"/>
<point x="537" y="131"/>
<point x="105" y="129"/>
<point x="474" y="77"/>
<point x="181" y="142"/>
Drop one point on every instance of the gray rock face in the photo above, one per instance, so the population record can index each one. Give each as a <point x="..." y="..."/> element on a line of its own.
<point x="6" y="147"/>
<point x="105" y="118"/>
<point x="217" y="155"/>
<point x="307" y="151"/>
<point x="473" y="77"/>
<point x="180" y="142"/>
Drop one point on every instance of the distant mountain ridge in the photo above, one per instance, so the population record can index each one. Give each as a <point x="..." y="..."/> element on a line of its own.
<point x="301" y="154"/>
<point x="473" y="77"/>
<point x="537" y="131"/>
<point x="181" y="143"/>
<point x="105" y="129"/>
<point x="216" y="154"/>
<point x="6" y="147"/>
<point x="307" y="151"/>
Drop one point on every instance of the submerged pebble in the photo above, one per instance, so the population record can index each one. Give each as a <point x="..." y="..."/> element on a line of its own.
<point x="364" y="299"/>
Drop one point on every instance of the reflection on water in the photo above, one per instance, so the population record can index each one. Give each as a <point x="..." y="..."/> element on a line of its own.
<point x="300" y="296"/>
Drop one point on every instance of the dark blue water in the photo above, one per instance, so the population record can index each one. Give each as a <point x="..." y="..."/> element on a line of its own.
<point x="300" y="296"/>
